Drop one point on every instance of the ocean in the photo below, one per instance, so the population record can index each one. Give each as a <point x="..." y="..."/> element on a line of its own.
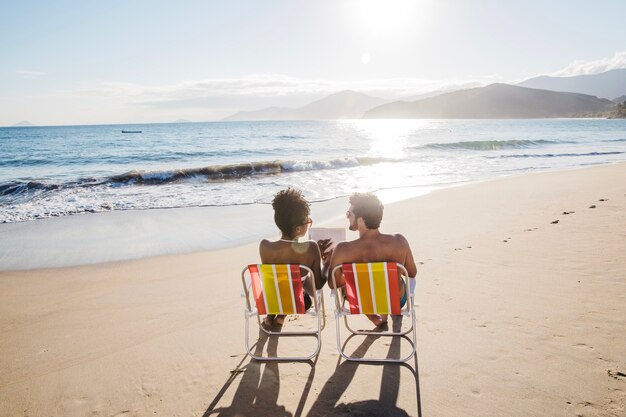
<point x="67" y="170"/>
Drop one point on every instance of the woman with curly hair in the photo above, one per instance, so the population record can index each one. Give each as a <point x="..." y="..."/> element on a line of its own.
<point x="291" y="214"/>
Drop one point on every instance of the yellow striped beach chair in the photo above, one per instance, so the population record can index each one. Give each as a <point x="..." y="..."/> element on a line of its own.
<point x="279" y="289"/>
<point x="373" y="288"/>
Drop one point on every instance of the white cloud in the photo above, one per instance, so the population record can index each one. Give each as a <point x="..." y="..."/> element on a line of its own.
<point x="214" y="98"/>
<point x="24" y="73"/>
<point x="268" y="86"/>
<point x="593" y="67"/>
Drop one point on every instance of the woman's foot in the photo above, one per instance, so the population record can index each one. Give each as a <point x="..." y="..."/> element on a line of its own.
<point x="273" y="320"/>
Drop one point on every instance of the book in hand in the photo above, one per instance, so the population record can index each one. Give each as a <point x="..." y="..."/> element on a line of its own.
<point x="335" y="234"/>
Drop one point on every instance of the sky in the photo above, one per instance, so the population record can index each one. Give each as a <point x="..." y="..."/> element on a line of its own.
<point x="125" y="61"/>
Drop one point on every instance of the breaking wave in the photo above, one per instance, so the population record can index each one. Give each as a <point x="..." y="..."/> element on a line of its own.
<point x="492" y="145"/>
<point x="13" y="190"/>
<point x="555" y="155"/>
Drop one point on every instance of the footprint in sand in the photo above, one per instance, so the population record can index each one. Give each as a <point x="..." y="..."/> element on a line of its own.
<point x="616" y="374"/>
<point x="592" y="206"/>
<point x="565" y="213"/>
<point x="603" y="199"/>
<point x="554" y="222"/>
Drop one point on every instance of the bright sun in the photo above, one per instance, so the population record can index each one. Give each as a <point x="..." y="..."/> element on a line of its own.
<point x="385" y="18"/>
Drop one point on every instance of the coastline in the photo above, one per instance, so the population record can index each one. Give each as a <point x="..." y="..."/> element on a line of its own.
<point x="517" y="315"/>
<point x="124" y="235"/>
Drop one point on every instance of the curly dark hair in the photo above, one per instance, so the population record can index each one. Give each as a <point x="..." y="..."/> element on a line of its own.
<point x="290" y="210"/>
<point x="368" y="207"/>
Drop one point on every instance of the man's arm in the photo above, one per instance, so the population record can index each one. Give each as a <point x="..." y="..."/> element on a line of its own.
<point x="408" y="262"/>
<point x="336" y="259"/>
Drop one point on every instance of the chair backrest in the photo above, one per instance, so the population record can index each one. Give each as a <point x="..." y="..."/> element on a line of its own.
<point x="373" y="288"/>
<point x="277" y="288"/>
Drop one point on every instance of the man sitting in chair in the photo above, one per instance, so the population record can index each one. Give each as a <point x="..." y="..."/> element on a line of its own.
<point x="291" y="214"/>
<point x="365" y="215"/>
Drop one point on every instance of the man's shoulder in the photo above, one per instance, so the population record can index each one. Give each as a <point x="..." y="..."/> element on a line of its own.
<point x="397" y="239"/>
<point x="347" y="245"/>
<point x="340" y="247"/>
<point x="344" y="249"/>
<point x="399" y="236"/>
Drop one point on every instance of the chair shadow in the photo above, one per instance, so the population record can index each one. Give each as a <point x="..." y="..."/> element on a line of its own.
<point x="327" y="402"/>
<point x="258" y="390"/>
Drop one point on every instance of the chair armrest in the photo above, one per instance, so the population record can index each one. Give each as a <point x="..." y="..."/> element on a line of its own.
<point x="248" y="285"/>
<point x="412" y="282"/>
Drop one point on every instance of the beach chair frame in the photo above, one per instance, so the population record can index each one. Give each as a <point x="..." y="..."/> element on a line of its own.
<point x="317" y="310"/>
<point x="342" y="312"/>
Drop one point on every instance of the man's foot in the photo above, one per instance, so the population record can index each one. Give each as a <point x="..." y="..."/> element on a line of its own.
<point x="378" y="320"/>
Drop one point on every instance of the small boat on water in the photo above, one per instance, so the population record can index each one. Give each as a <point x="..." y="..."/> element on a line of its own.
<point x="131" y="131"/>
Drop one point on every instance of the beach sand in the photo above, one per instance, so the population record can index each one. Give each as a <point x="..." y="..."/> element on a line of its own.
<point x="518" y="315"/>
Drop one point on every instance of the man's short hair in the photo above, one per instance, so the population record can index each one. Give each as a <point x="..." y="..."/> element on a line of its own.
<point x="368" y="207"/>
<point x="290" y="210"/>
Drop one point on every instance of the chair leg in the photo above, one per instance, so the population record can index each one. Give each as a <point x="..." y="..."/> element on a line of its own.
<point x="340" y="348"/>
<point x="317" y="334"/>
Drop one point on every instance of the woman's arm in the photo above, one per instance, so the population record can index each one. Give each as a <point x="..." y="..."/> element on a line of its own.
<point x="316" y="264"/>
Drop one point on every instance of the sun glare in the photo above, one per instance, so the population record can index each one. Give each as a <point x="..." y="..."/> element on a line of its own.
<point x="387" y="137"/>
<point x="386" y="17"/>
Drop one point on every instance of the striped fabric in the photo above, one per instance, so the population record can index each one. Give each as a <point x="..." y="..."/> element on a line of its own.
<point x="277" y="289"/>
<point x="372" y="288"/>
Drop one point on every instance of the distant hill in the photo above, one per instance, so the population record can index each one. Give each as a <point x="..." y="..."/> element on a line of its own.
<point x="426" y="95"/>
<point x="23" y="123"/>
<point x="620" y="99"/>
<point x="495" y="101"/>
<point x="343" y="105"/>
<point x="608" y="84"/>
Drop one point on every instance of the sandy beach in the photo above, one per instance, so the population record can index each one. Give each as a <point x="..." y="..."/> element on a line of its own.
<point x="521" y="308"/>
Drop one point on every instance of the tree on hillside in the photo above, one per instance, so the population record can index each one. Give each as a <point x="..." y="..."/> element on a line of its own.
<point x="620" y="110"/>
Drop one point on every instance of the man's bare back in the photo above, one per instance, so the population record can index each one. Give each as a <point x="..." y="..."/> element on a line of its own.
<point x="373" y="246"/>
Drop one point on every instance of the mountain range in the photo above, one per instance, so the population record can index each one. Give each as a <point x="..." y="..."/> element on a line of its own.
<point x="539" y="97"/>
<point x="23" y="123"/>
<point x="495" y="101"/>
<point x="610" y="84"/>
<point x="343" y="105"/>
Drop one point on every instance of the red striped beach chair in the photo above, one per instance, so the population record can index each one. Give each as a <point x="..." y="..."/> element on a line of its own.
<point x="279" y="289"/>
<point x="373" y="288"/>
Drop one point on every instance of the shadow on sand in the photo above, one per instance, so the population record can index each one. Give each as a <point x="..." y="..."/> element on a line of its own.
<point x="327" y="402"/>
<point x="258" y="391"/>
